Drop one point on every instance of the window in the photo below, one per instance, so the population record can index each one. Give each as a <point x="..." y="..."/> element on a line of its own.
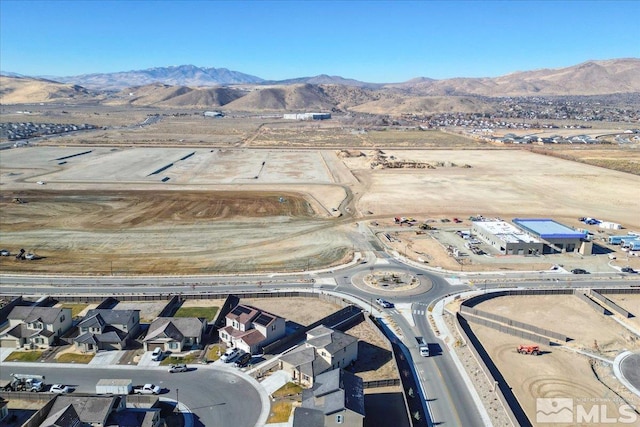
<point x="339" y="419"/>
<point x="62" y="318"/>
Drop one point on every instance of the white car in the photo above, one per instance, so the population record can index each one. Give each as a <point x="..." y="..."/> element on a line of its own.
<point x="59" y="389"/>
<point x="383" y="303"/>
<point x="230" y="355"/>
<point x="156" y="356"/>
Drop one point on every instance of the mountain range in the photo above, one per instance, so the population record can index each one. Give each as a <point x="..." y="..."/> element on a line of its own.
<point x="189" y="86"/>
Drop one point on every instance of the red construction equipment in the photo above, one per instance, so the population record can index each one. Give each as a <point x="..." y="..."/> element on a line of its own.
<point x="529" y="349"/>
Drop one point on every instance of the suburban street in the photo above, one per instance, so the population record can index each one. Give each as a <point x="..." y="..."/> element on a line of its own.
<point x="216" y="396"/>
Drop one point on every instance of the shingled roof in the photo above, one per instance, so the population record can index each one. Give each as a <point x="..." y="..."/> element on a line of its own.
<point x="334" y="391"/>
<point x="328" y="339"/>
<point x="29" y="314"/>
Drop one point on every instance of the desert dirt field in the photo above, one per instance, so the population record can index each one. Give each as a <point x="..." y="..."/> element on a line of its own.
<point x="631" y="303"/>
<point x="144" y="204"/>
<point x="559" y="372"/>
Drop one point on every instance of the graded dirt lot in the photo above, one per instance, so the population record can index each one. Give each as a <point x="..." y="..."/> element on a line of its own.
<point x="300" y="310"/>
<point x="631" y="303"/>
<point x="559" y="372"/>
<point x="149" y="203"/>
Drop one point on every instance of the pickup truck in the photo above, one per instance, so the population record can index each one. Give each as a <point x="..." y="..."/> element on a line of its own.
<point x="146" y="389"/>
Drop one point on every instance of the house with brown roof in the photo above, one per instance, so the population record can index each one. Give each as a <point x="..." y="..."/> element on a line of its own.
<point x="249" y="328"/>
<point x="175" y="334"/>
<point x="324" y="349"/>
<point x="35" y="327"/>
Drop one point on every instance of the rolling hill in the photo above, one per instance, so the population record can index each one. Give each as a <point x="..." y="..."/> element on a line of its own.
<point x="25" y="90"/>
<point x="193" y="87"/>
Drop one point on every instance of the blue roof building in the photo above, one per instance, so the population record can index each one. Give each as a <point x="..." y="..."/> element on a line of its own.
<point x="558" y="237"/>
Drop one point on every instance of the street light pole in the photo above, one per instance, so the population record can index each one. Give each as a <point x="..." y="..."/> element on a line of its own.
<point x="177" y="401"/>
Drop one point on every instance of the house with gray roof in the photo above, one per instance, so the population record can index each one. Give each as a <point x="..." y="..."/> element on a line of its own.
<point x="324" y="349"/>
<point x="105" y="329"/>
<point x="336" y="399"/>
<point x="35" y="327"/>
<point x="100" y="411"/>
<point x="249" y="328"/>
<point x="82" y="410"/>
<point x="175" y="334"/>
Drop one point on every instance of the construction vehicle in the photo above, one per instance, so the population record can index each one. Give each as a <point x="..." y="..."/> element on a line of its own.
<point x="20" y="256"/>
<point x="26" y="382"/>
<point x="529" y="349"/>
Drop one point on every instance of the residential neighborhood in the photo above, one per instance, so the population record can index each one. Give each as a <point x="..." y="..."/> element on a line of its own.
<point x="317" y="359"/>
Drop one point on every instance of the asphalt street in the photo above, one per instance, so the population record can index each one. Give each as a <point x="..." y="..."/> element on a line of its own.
<point x="216" y="397"/>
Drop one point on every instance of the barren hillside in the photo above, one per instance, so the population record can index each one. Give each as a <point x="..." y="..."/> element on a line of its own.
<point x="19" y="90"/>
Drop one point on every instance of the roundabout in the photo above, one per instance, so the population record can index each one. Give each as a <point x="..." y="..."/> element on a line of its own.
<point x="392" y="282"/>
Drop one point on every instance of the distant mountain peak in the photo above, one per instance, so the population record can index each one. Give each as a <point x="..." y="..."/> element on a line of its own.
<point x="180" y="75"/>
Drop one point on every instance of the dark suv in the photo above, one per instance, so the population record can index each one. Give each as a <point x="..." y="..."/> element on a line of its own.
<point x="628" y="270"/>
<point x="579" y="271"/>
<point x="243" y="360"/>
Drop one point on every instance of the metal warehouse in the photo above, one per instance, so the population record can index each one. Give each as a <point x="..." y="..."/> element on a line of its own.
<point x="557" y="237"/>
<point x="506" y="238"/>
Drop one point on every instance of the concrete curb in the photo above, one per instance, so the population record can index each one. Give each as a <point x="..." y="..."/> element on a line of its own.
<point x="620" y="376"/>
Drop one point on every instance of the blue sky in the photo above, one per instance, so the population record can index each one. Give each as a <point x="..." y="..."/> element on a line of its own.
<point x="374" y="41"/>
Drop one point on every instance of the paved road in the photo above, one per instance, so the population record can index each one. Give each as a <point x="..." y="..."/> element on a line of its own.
<point x="630" y="368"/>
<point x="217" y="397"/>
<point x="449" y="399"/>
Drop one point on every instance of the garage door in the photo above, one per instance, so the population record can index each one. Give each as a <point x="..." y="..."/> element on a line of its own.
<point x="151" y="347"/>
<point x="8" y="343"/>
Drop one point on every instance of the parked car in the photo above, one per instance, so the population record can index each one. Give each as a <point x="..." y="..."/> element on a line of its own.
<point x="59" y="389"/>
<point x="243" y="360"/>
<point x="579" y="271"/>
<point x="628" y="270"/>
<point x="230" y="355"/>
<point x="4" y="252"/>
<point x="181" y="367"/>
<point x="384" y="303"/>
<point x="156" y="356"/>
<point x="146" y="389"/>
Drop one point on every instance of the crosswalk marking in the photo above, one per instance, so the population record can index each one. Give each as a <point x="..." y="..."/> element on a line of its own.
<point x="418" y="312"/>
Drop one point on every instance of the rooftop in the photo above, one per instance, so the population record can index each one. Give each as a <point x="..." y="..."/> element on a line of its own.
<point x="505" y="231"/>
<point x="548" y="229"/>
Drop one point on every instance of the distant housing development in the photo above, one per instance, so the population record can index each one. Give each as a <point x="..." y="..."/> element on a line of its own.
<point x="307" y="116"/>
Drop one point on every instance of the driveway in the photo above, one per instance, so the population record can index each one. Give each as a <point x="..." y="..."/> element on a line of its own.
<point x="145" y="360"/>
<point x="275" y="381"/>
<point x="104" y="358"/>
<point x="5" y="352"/>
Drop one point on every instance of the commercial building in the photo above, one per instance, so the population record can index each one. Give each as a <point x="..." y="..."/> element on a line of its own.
<point x="557" y="237"/>
<point x="307" y="116"/>
<point x="506" y="238"/>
